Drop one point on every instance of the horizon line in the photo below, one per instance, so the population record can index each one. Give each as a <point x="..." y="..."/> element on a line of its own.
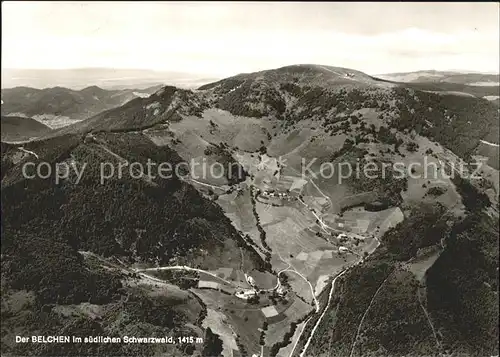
<point x="213" y="76"/>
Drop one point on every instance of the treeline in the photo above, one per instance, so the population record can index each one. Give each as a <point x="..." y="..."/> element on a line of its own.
<point x="287" y="338"/>
<point x="54" y="270"/>
<point x="262" y="232"/>
<point x="181" y="278"/>
<point x="457" y="122"/>
<point x="212" y="344"/>
<point x="425" y="226"/>
<point x="473" y="199"/>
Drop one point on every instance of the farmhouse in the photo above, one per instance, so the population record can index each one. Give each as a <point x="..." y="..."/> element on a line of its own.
<point x="342" y="237"/>
<point x="343" y="249"/>
<point x="280" y="290"/>
<point x="245" y="295"/>
<point x="250" y="280"/>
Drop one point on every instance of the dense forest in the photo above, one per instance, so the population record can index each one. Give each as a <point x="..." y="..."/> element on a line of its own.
<point x="463" y="287"/>
<point x="153" y="221"/>
<point x="45" y="227"/>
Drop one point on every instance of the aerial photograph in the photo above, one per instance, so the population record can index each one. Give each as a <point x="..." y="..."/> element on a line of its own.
<point x="250" y="179"/>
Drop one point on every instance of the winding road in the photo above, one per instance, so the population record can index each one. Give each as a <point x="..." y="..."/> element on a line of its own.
<point x="332" y="289"/>
<point x="28" y="152"/>
<point x="302" y="354"/>
<point x="316" y="303"/>
<point x="183" y="267"/>
<point x="289" y="268"/>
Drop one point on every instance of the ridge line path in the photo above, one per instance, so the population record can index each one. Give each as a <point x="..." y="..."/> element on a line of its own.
<point x="488" y="143"/>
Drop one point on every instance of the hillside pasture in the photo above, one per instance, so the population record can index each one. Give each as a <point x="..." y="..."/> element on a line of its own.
<point x="422" y="263"/>
<point x="426" y="175"/>
<point x="238" y="208"/>
<point x="264" y="280"/>
<point x="218" y="324"/>
<point x="217" y="126"/>
<point x="366" y="223"/>
<point x="242" y="318"/>
<point x="295" y="311"/>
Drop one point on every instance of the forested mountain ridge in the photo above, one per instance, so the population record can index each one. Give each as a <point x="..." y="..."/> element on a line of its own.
<point x="50" y="104"/>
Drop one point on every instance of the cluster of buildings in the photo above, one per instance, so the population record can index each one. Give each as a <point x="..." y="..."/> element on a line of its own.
<point x="246" y="294"/>
<point x="277" y="194"/>
<point x="249" y="293"/>
<point x="254" y="291"/>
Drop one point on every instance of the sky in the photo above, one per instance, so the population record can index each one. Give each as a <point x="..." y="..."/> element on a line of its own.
<point x="222" y="39"/>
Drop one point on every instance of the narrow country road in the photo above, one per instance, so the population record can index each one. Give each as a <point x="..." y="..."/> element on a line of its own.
<point x="328" y="305"/>
<point x="29" y="152"/>
<point x="298" y="338"/>
<point x="183" y="267"/>
<point x="316" y="303"/>
<point x="321" y="316"/>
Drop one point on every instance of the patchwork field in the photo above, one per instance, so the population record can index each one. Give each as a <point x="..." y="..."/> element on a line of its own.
<point x="296" y="246"/>
<point x="308" y="228"/>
